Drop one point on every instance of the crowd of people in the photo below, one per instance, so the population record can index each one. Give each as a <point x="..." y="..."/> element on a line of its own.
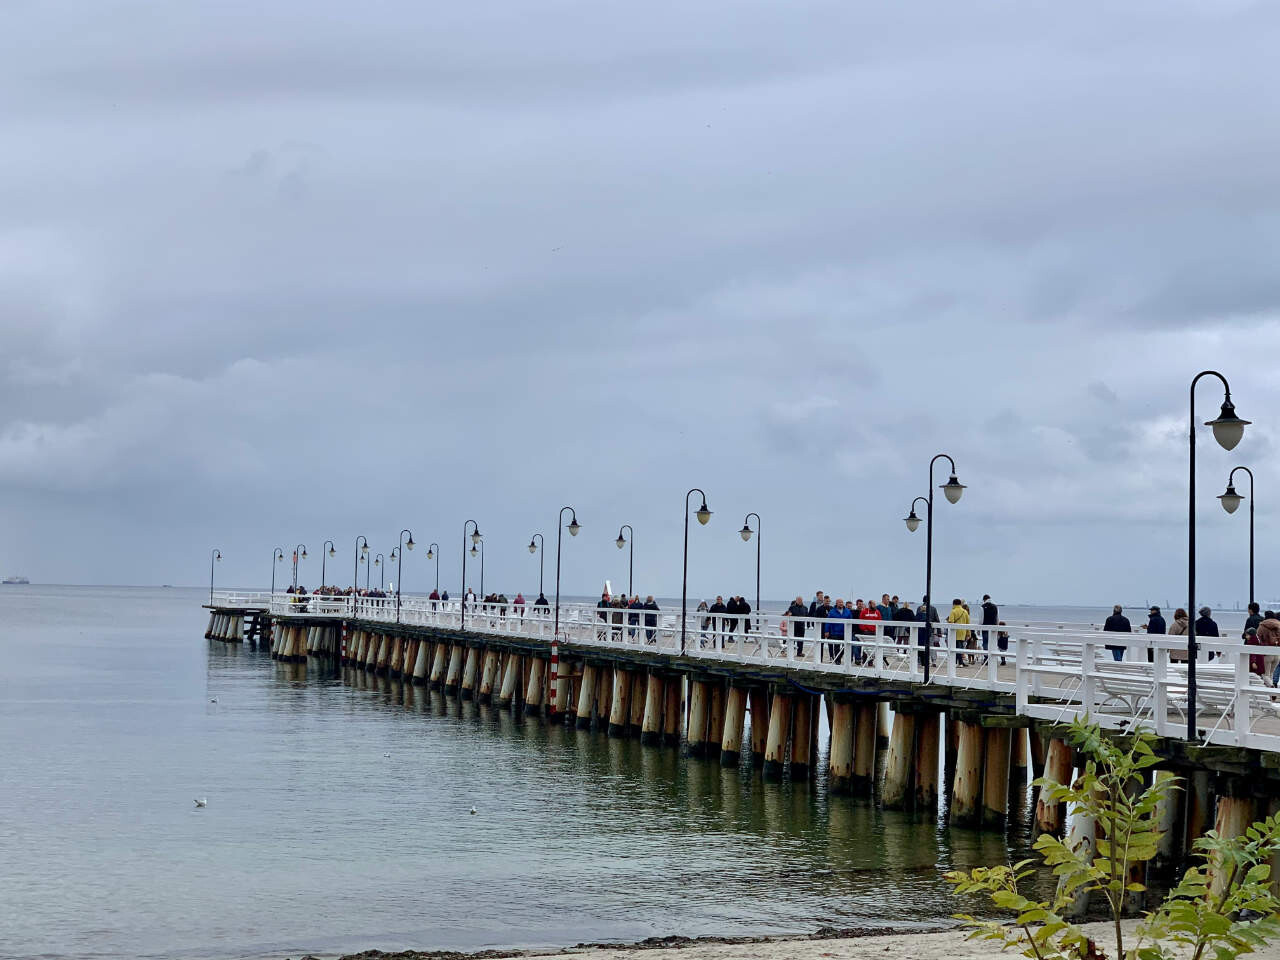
<point x="632" y="610"/>
<point x="1261" y="629"/>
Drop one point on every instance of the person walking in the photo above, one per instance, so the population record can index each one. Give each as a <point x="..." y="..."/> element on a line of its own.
<point x="1117" y="623"/>
<point x="959" y="614"/>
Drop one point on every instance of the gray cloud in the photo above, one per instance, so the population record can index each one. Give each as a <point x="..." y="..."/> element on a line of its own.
<point x="294" y="271"/>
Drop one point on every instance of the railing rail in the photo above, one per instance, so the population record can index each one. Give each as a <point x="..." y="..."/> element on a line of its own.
<point x="1054" y="672"/>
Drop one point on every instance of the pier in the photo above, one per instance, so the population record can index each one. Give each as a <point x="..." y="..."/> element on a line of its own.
<point x="750" y="690"/>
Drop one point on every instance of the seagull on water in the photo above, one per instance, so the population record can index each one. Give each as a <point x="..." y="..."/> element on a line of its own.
<point x="387" y="756"/>
<point x="213" y="699"/>
<point x="202" y="802"/>
<point x="473" y="811"/>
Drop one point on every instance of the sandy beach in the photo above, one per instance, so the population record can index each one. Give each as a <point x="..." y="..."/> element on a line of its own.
<point x="847" y="945"/>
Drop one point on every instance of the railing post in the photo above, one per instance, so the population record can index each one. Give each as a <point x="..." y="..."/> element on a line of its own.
<point x="1242" y="714"/>
<point x="1020" y="676"/>
<point x="1088" y="658"/>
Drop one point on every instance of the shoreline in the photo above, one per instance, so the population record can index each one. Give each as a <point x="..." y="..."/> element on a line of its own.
<point x="826" y="943"/>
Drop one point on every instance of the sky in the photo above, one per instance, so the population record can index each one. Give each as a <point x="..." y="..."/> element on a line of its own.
<point x="280" y="272"/>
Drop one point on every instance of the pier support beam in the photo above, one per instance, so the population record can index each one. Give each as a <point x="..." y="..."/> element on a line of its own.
<point x="866" y="718"/>
<point x="510" y="678"/>
<point x="1083" y="838"/>
<point x="966" y="809"/>
<point x="897" y="775"/>
<point x="801" y="736"/>
<point x="620" y="703"/>
<point x="1237" y="811"/>
<point x="759" y="700"/>
<point x="672" y="714"/>
<point x="457" y="652"/>
<point x="1051" y="817"/>
<point x="439" y="663"/>
<point x="776" y="744"/>
<point x="586" y="696"/>
<point x="488" y="675"/>
<point x="533" y="694"/>
<point x="735" y="709"/>
<point x="925" y="773"/>
<point x="654" y="706"/>
<point x="699" y="708"/>
<point x="639" y="692"/>
<point x="840" y="757"/>
<point x="995" y="794"/>
<point x="471" y="667"/>
<point x="1168" y="847"/>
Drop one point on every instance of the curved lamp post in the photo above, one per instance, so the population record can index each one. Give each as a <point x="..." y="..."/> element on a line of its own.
<point x="703" y="516"/>
<point x="574" y="527"/>
<point x="631" y="560"/>
<point x="534" y="542"/>
<point x="745" y="533"/>
<point x="433" y="553"/>
<point x="475" y="538"/>
<point x="277" y="555"/>
<point x="478" y="547"/>
<point x="331" y="552"/>
<point x="1229" y="500"/>
<point x="400" y="567"/>
<point x="362" y="550"/>
<point x="299" y="553"/>
<point x="1227" y="430"/>
<point x="213" y="557"/>
<point x="953" y="489"/>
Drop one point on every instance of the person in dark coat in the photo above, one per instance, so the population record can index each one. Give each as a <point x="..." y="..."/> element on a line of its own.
<point x="717" y="611"/>
<point x="744" y="608"/>
<point x="1117" y="623"/>
<point x="1206" y="626"/>
<point x="650" y="619"/>
<point x="797" y="612"/>
<point x="1155" y="628"/>
<point x="990" y="618"/>
<point x="1251" y="622"/>
<point x="633" y="618"/>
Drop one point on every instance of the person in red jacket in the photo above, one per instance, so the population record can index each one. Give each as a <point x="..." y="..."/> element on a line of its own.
<point x="869" y="616"/>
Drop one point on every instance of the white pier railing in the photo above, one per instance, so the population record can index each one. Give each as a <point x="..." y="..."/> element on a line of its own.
<point x="1053" y="672"/>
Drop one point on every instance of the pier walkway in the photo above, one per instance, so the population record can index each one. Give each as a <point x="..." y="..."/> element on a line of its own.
<point x="1050" y="673"/>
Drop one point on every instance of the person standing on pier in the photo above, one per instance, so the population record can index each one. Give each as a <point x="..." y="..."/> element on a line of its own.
<point x="1252" y="621"/>
<point x="1206" y="626"/>
<point x="990" y="618"/>
<point x="797" y="612"/>
<point x="1155" y="627"/>
<point x="1117" y="623"/>
<point x="717" y="611"/>
<point x="650" y="619"/>
<point x="869" y="618"/>
<point x="837" y="633"/>
<point x="959" y="614"/>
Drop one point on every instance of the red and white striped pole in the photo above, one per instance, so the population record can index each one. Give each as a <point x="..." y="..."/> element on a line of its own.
<point x="555" y="672"/>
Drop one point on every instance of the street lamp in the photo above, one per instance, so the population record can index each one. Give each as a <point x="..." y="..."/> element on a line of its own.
<point x="953" y="489"/>
<point x="382" y="572"/>
<point x="1227" y="430"/>
<point x="631" y="560"/>
<point x="400" y="567"/>
<point x="745" y="534"/>
<point x="475" y="538"/>
<point x="324" y="556"/>
<point x="1230" y="502"/>
<point x="362" y="550"/>
<point x="535" y="542"/>
<point x="703" y="516"/>
<point x="478" y="547"/>
<point x="299" y="553"/>
<point x="433" y="553"/>
<point x="216" y="555"/>
<point x="574" y="527"/>
<point x="277" y="555"/>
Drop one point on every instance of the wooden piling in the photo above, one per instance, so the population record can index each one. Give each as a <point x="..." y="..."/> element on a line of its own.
<point x="966" y="806"/>
<point x="586" y="696"/>
<point x="715" y="717"/>
<point x="639" y="691"/>
<point x="510" y="679"/>
<point x="735" y="709"/>
<point x="651" y="719"/>
<point x="1237" y="810"/>
<point x="699" y="707"/>
<point x="759" y="701"/>
<point x="439" y="664"/>
<point x="604" y="698"/>
<point x="1199" y="806"/>
<point x="995" y="794"/>
<point x="488" y="675"/>
<point x="776" y="743"/>
<point x="883" y="721"/>
<point x="866" y="718"/>
<point x="925" y="772"/>
<point x="1037" y="746"/>
<point x="470" y="672"/>
<point x="533" y="698"/>
<point x="672" y="712"/>
<point x="1019" y="757"/>
<point x="840" y="754"/>
<point x="619" y="708"/>
<point x="897" y="774"/>
<point x="1167" y="822"/>
<point x="453" y="678"/>
<point x="1051" y="817"/>
<point x="801" y="721"/>
<point x="1083" y="838"/>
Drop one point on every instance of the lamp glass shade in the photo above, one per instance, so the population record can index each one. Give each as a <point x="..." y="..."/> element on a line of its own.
<point x="217" y="556"/>
<point x="953" y="488"/>
<point x="377" y="561"/>
<point x="303" y="555"/>
<point x="703" y="514"/>
<point x="475" y="537"/>
<point x="912" y="521"/>
<point x="364" y="549"/>
<point x="621" y="541"/>
<point x="475" y="550"/>
<point x="1228" y="428"/>
<point x="333" y="552"/>
<point x="430" y="554"/>
<point x="409" y="543"/>
<point x="1230" y="500"/>
<point x="574" y="527"/>
<point x="533" y="546"/>
<point x="745" y="533"/>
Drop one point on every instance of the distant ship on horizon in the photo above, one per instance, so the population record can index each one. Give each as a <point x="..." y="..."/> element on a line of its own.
<point x="16" y="580"/>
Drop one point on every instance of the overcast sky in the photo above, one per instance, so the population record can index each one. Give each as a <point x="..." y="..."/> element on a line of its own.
<point x="277" y="272"/>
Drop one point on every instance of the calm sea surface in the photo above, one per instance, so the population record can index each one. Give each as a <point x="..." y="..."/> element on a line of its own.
<point x="338" y="813"/>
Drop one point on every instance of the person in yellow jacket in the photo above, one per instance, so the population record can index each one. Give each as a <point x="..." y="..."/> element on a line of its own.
<point x="959" y="614"/>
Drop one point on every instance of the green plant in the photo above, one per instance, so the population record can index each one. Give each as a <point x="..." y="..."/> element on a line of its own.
<point x="1223" y="919"/>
